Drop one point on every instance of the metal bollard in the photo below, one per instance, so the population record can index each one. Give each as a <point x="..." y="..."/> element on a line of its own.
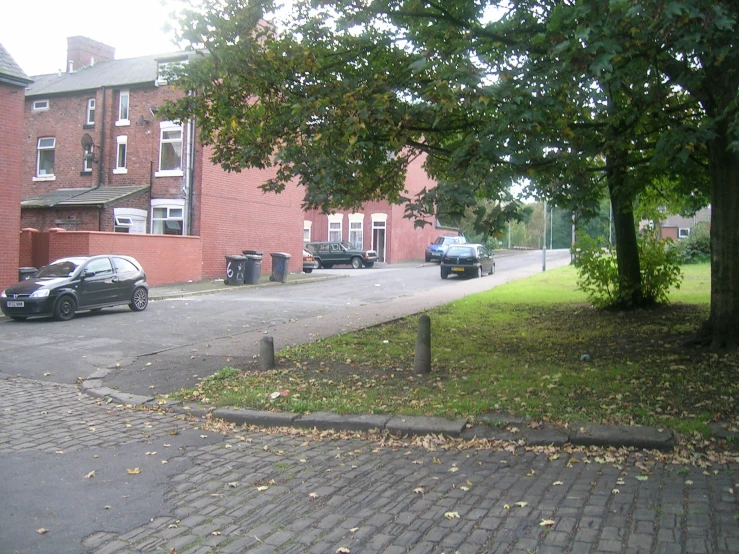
<point x="267" y="353"/>
<point x="422" y="361"/>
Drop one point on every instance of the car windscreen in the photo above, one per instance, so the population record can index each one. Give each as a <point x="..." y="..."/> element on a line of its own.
<point x="60" y="268"/>
<point x="460" y="251"/>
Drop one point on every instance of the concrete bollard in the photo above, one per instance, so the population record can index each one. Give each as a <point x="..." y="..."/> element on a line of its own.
<point x="422" y="361"/>
<point x="267" y="353"/>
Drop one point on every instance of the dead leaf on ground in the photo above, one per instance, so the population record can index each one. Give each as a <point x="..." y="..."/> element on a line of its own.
<point x="452" y="515"/>
<point x="134" y="471"/>
<point x="90" y="475"/>
<point x="42" y="531"/>
<point x="546" y="522"/>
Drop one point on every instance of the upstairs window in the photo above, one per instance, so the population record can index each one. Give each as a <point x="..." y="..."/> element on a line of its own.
<point x="87" y="159"/>
<point x="123" y="99"/>
<point x="170" y="150"/>
<point x="45" y="158"/>
<point x="164" y="69"/>
<point x="121" y="152"/>
<point x="90" y="114"/>
<point x="40" y="105"/>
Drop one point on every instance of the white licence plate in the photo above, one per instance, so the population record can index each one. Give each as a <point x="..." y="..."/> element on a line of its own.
<point x="15" y="304"/>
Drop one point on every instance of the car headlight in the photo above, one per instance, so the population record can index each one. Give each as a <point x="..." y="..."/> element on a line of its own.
<point x="40" y="293"/>
<point x="3" y="295"/>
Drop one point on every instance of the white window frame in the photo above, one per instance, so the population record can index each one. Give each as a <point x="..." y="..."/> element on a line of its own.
<point x="133" y="219"/>
<point x="335" y="224"/>
<point x="163" y="66"/>
<point x="90" y="112"/>
<point x="683" y="232"/>
<point x="166" y="127"/>
<point x="87" y="158"/>
<point x="121" y="146"/>
<point x="40" y="105"/>
<point x="356" y="230"/>
<point x="124" y="94"/>
<point x="307" y="226"/>
<point x="39" y="148"/>
<point x="169" y="204"/>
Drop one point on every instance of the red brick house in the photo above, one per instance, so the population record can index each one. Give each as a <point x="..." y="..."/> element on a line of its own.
<point x="13" y="82"/>
<point x="97" y="158"/>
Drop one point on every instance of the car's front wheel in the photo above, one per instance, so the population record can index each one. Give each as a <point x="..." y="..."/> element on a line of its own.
<point x="309" y="270"/>
<point x="139" y="299"/>
<point x="65" y="308"/>
<point x="444" y="273"/>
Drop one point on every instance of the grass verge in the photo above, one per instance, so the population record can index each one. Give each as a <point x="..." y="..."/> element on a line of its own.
<point x="532" y="347"/>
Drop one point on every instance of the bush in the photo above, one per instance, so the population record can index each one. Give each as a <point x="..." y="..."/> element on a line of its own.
<point x="696" y="248"/>
<point x="598" y="277"/>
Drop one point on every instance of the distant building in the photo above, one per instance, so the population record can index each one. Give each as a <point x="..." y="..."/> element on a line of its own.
<point x="96" y="157"/>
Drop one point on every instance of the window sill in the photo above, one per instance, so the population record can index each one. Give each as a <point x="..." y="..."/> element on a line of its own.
<point x="169" y="173"/>
<point x="88" y="126"/>
<point x="86" y="173"/>
<point x="123" y="123"/>
<point x="45" y="178"/>
<point x="120" y="171"/>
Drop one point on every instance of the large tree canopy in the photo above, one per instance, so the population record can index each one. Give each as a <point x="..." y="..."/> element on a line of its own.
<point x="577" y="97"/>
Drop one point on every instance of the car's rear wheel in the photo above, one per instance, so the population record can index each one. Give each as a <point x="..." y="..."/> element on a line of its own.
<point x="310" y="270"/>
<point x="17" y="318"/>
<point x="479" y="272"/>
<point x="492" y="269"/>
<point x="139" y="299"/>
<point x="65" y="308"/>
<point x="369" y="264"/>
<point x="327" y="266"/>
<point x="356" y="262"/>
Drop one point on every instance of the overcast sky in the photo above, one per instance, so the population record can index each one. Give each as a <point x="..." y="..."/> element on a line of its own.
<point x="35" y="32"/>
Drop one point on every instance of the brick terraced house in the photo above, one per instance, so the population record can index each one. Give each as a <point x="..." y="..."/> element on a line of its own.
<point x="97" y="158"/>
<point x="13" y="82"/>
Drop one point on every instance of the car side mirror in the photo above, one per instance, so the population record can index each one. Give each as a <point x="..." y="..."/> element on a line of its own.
<point x="88" y="273"/>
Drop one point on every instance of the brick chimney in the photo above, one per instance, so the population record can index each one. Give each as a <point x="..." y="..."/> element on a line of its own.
<point x="83" y="51"/>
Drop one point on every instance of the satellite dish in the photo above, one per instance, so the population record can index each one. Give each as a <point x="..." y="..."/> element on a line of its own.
<point x="86" y="141"/>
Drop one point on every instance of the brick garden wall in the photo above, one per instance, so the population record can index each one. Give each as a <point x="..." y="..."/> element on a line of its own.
<point x="166" y="259"/>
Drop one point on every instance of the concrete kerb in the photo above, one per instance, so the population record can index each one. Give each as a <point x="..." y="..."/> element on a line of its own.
<point x="582" y="434"/>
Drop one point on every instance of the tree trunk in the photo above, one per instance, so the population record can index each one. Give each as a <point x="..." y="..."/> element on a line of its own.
<point x="724" y="169"/>
<point x="627" y="250"/>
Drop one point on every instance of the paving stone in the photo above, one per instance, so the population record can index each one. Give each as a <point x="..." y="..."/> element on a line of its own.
<point x="419" y="425"/>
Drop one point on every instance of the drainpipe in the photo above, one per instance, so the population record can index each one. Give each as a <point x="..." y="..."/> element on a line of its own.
<point x="190" y="171"/>
<point x="101" y="156"/>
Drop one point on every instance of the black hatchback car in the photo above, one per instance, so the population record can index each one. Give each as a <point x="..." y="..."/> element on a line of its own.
<point x="473" y="260"/>
<point x="78" y="283"/>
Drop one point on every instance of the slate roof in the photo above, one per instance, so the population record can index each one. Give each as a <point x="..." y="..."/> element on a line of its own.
<point x="11" y="72"/>
<point x="113" y="73"/>
<point x="101" y="197"/>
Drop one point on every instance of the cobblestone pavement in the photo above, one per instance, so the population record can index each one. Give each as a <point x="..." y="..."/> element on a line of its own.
<point x="260" y="492"/>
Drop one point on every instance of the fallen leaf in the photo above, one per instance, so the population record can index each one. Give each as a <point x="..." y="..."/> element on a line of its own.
<point x="42" y="531"/>
<point x="522" y="504"/>
<point x="688" y="482"/>
<point x="452" y="515"/>
<point x="354" y="529"/>
<point x="233" y="484"/>
<point x="557" y="483"/>
<point x="641" y="477"/>
<point x="216" y="533"/>
<point x="615" y="491"/>
<point x="506" y="506"/>
<point x="90" y="475"/>
<point x="546" y="522"/>
<point x="464" y="488"/>
<point x="343" y="550"/>
<point x="453" y="469"/>
<point x="418" y="490"/>
<point x="262" y="488"/>
<point x="134" y="471"/>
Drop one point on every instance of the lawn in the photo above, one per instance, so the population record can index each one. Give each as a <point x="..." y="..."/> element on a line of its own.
<point x="530" y="348"/>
